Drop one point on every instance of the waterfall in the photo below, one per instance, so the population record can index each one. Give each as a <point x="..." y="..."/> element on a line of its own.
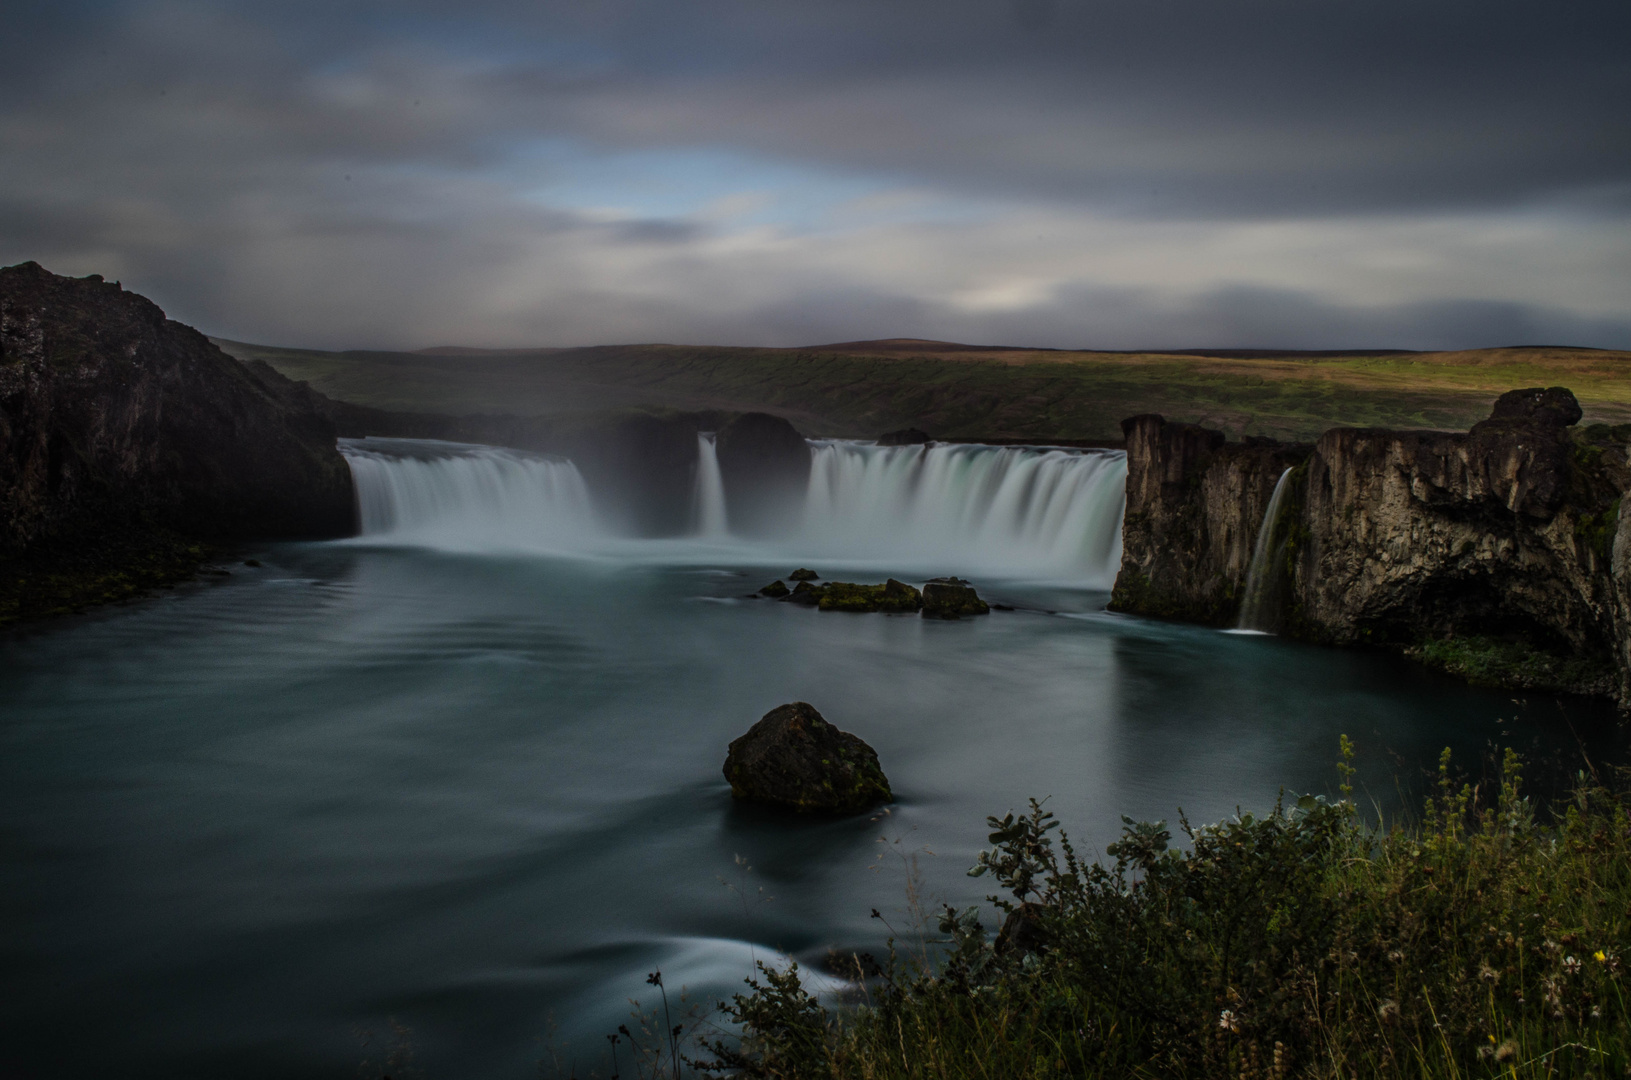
<point x="1011" y="511"/>
<point x="1257" y="612"/>
<point x="460" y="497"/>
<point x="709" y="500"/>
<point x="1024" y="511"/>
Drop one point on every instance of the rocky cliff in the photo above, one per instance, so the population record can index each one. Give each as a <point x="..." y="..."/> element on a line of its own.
<point x="1490" y="553"/>
<point x="764" y="464"/>
<point x="123" y="433"/>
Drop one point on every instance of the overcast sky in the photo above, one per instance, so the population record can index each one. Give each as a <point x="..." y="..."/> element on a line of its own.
<point x="1073" y="173"/>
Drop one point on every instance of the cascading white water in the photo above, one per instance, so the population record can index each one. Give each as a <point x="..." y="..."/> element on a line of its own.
<point x="1025" y="511"/>
<point x="1255" y="613"/>
<point x="1030" y="512"/>
<point x="460" y="497"/>
<point x="710" y="493"/>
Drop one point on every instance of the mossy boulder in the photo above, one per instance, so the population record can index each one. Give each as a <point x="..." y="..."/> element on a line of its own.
<point x="801" y="574"/>
<point x="794" y="759"/>
<point x="951" y="598"/>
<point x="775" y="590"/>
<point x="891" y="596"/>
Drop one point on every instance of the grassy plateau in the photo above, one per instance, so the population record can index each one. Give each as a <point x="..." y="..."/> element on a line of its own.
<point x="862" y="389"/>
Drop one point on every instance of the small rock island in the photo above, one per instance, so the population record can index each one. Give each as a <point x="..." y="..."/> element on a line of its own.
<point x="794" y="759"/>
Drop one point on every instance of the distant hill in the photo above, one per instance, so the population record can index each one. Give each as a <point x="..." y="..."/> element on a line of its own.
<point x="952" y="390"/>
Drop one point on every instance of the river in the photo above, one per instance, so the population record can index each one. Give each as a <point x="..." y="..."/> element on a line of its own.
<point x="463" y="771"/>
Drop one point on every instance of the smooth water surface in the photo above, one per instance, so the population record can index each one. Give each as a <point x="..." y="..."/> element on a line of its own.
<point x="479" y="791"/>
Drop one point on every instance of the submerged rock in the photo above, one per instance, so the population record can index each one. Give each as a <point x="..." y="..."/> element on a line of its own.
<point x="793" y="758"/>
<point x="891" y="596"/>
<point x="801" y="574"/>
<point x="951" y="598"/>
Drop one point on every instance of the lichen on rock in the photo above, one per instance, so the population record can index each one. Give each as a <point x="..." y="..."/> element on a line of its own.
<point x="794" y="759"/>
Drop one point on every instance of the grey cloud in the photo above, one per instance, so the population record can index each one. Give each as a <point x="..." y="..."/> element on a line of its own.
<point x="346" y="174"/>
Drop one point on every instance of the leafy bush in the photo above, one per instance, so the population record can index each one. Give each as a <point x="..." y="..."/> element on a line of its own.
<point x="1297" y="944"/>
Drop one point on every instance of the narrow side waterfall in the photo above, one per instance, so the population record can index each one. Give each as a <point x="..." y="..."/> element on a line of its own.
<point x="1257" y="609"/>
<point x="460" y="497"/>
<point x="709" y="501"/>
<point x="1020" y="511"/>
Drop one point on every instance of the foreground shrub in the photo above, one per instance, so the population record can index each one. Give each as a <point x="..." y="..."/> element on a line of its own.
<point x="1298" y="944"/>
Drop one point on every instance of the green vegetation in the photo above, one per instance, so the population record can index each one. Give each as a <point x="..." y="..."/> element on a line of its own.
<point x="1487" y="661"/>
<point x="955" y="391"/>
<point x="125" y="563"/>
<point x="1596" y="531"/>
<point x="1479" y="943"/>
<point x="891" y="596"/>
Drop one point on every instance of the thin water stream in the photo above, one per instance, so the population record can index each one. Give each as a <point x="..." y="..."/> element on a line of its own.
<point x="464" y="770"/>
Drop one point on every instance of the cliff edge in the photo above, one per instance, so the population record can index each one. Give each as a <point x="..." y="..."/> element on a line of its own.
<point x="126" y="439"/>
<point x="1502" y="554"/>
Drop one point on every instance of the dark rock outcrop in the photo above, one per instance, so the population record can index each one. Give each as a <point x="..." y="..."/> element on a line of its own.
<point x="764" y="464"/>
<point x="892" y="596"/>
<point x="640" y="468"/>
<point x="776" y="590"/>
<point x="806" y="594"/>
<point x="904" y="437"/>
<point x="801" y="574"/>
<point x="792" y="758"/>
<point x="951" y="598"/>
<point x="1500" y="549"/>
<point x="125" y="436"/>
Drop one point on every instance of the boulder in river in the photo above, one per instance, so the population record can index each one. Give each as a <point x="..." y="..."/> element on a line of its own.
<point x="775" y="590"/>
<point x="801" y="574"/>
<point x="951" y="598"/>
<point x="891" y="596"/>
<point x="795" y="759"/>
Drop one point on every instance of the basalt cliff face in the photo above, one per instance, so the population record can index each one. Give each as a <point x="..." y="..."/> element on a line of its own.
<point x="1187" y="484"/>
<point x="1502" y="554"/>
<point x="117" y="424"/>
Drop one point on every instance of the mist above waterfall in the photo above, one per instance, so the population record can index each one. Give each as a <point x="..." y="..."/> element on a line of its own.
<point x="1015" y="512"/>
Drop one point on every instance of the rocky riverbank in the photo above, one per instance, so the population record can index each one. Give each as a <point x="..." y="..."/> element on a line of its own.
<point x="1502" y="553"/>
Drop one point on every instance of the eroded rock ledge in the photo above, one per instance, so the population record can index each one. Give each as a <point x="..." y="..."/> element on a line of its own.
<point x="1502" y="553"/>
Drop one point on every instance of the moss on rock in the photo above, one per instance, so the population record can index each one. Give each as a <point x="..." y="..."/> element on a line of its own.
<point x="891" y="596"/>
